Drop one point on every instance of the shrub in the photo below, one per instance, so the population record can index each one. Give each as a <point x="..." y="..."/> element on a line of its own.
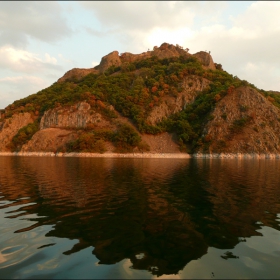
<point x="86" y="142"/>
<point x="126" y="136"/>
<point x="237" y="125"/>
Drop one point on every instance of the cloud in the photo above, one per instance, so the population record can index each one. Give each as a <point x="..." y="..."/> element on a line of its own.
<point x="18" y="60"/>
<point x="139" y="25"/>
<point x="250" y="47"/>
<point x="95" y="32"/>
<point x="159" y="35"/>
<point x="15" y="81"/>
<point x="260" y="16"/>
<point x="94" y="63"/>
<point x="143" y="16"/>
<point x="235" y="39"/>
<point x="263" y="75"/>
<point x="39" y="20"/>
<point x="16" y="87"/>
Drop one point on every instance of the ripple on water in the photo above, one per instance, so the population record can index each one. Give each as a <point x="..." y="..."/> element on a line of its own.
<point x="59" y="217"/>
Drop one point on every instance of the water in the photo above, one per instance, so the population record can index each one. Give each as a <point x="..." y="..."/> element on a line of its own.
<point x="139" y="218"/>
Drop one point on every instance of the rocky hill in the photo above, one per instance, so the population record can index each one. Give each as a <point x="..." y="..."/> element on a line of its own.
<point x="161" y="101"/>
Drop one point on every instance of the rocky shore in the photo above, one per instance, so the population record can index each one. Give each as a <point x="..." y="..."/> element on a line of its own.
<point x="104" y="155"/>
<point x="145" y="155"/>
<point x="237" y="155"/>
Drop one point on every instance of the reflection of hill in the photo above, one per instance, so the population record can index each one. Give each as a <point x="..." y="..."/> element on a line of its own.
<point x="243" y="192"/>
<point x="159" y="213"/>
<point x="226" y="198"/>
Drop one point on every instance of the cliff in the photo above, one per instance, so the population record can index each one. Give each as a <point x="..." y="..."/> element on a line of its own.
<point x="165" y="100"/>
<point x="245" y="122"/>
<point x="10" y="127"/>
<point x="191" y="85"/>
<point x="114" y="59"/>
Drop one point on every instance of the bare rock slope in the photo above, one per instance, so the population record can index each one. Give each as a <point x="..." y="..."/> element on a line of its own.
<point x="245" y="122"/>
<point x="11" y="126"/>
<point x="191" y="85"/>
<point x="77" y="116"/>
<point x="49" y="140"/>
<point x="114" y="59"/>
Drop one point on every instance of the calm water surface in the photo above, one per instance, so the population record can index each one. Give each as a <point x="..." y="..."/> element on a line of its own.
<point x="139" y="218"/>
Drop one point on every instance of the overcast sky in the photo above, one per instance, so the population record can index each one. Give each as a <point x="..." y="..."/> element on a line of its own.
<point x="40" y="41"/>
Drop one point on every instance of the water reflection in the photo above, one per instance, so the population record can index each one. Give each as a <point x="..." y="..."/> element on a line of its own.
<point x="161" y="214"/>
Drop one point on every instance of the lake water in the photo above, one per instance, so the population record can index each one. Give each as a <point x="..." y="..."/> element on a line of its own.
<point x="139" y="218"/>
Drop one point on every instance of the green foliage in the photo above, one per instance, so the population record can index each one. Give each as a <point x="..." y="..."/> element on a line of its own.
<point x="238" y="125"/>
<point x="224" y="116"/>
<point x="86" y="142"/>
<point x="126" y="138"/>
<point x="273" y="97"/>
<point x="24" y="135"/>
<point x="243" y="108"/>
<point x="112" y="69"/>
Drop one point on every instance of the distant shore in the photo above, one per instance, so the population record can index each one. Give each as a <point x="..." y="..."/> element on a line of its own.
<point x="142" y="155"/>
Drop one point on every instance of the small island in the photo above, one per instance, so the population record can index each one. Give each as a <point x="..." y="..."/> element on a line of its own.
<point x="163" y="103"/>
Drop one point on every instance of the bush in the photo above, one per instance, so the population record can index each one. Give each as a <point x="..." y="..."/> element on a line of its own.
<point x="126" y="136"/>
<point x="238" y="125"/>
<point x="86" y="142"/>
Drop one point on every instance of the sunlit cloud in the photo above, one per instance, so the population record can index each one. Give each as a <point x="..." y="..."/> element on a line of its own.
<point x="37" y="39"/>
<point x="16" y="87"/>
<point x="19" y="60"/>
<point x="159" y="35"/>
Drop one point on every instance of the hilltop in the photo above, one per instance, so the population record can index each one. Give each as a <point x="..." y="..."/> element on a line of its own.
<point x="161" y="101"/>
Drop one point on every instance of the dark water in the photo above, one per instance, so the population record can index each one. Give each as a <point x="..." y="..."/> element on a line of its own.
<point x="139" y="218"/>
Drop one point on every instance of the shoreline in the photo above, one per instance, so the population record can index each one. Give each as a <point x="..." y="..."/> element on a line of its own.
<point x="144" y="155"/>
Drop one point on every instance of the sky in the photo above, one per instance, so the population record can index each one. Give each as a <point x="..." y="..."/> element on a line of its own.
<point x="40" y="41"/>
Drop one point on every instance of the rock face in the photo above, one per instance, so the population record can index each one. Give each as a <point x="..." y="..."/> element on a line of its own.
<point x="161" y="143"/>
<point x="59" y="126"/>
<point x="108" y="61"/>
<point x="10" y="127"/>
<point x="78" y="116"/>
<point x="164" y="51"/>
<point x="168" y="50"/>
<point x="206" y="60"/>
<point x="130" y="57"/>
<point x="49" y="140"/>
<point x="77" y="73"/>
<point x="245" y="122"/>
<point x="170" y="105"/>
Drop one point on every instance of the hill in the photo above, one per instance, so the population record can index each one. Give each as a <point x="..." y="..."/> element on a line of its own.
<point x="161" y="101"/>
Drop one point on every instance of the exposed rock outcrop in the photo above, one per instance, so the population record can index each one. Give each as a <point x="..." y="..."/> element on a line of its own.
<point x="206" y="59"/>
<point x="161" y="143"/>
<point x="130" y="57"/>
<point x="77" y="116"/>
<point x="191" y="86"/>
<point x="111" y="59"/>
<point x="77" y="73"/>
<point x="244" y="122"/>
<point x="164" y="51"/>
<point x="10" y="127"/>
<point x="49" y="140"/>
<point x="168" y="50"/>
